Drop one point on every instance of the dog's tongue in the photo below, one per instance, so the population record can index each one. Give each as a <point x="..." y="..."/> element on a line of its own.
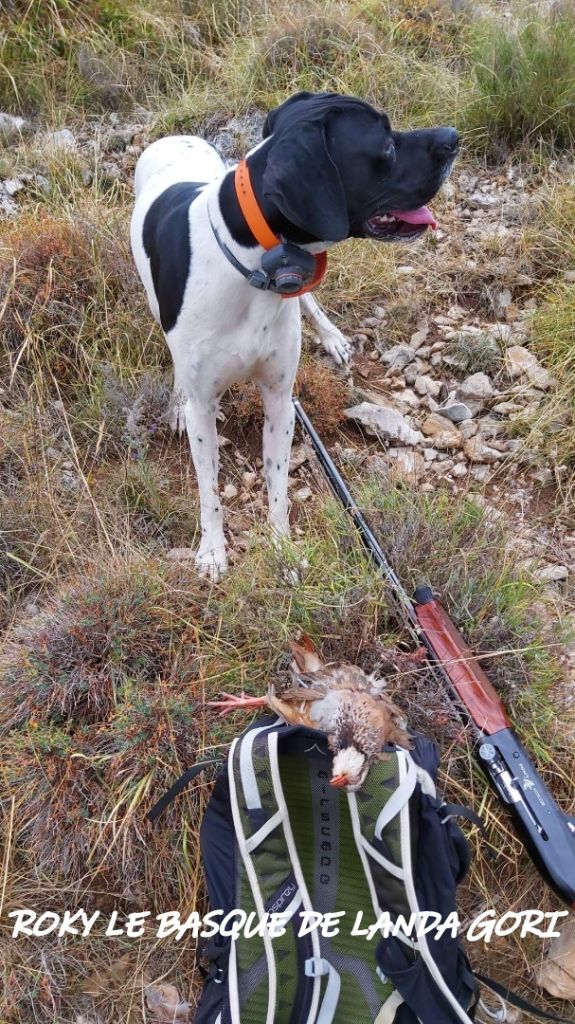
<point x="421" y="216"/>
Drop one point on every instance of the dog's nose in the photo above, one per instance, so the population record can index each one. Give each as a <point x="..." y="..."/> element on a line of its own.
<point x="445" y="143"/>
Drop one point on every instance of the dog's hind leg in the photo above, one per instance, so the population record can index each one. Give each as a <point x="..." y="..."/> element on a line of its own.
<point x="179" y="398"/>
<point x="177" y="412"/>
<point x="333" y="341"/>
<point x="278" y="435"/>
<point x="201" y="414"/>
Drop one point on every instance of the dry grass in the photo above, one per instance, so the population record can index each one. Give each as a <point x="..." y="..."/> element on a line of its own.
<point x="47" y="284"/>
<point x="549" y="245"/>
<point x="71" y="302"/>
<point x="550" y="241"/>
<point x="322" y="54"/>
<point x="464" y="555"/>
<point x="503" y="80"/>
<point x="46" y="516"/>
<point x="103" y="694"/>
<point x="103" y="704"/>
<point x="57" y="54"/>
<point x="477" y="354"/>
<point x="323" y="392"/>
<point x="101" y="699"/>
<point x="108" y="648"/>
<point x="552" y="427"/>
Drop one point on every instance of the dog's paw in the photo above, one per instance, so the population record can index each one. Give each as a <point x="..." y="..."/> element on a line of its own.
<point x="177" y="413"/>
<point x="211" y="561"/>
<point x="337" y="346"/>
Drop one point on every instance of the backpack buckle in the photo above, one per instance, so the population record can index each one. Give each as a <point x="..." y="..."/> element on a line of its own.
<point x="215" y="973"/>
<point x="317" y="967"/>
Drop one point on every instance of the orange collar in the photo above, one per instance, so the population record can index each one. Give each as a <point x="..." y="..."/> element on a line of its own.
<point x="261" y="230"/>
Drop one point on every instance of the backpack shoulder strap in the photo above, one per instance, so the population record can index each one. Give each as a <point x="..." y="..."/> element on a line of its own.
<point x="271" y="863"/>
<point x="391" y="829"/>
<point x="179" y="785"/>
<point x="374" y="814"/>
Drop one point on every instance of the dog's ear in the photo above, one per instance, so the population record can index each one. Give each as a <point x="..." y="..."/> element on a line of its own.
<point x="303" y="181"/>
<point x="271" y="120"/>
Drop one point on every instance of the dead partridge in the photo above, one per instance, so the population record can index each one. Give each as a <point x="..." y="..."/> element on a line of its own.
<point x="340" y="700"/>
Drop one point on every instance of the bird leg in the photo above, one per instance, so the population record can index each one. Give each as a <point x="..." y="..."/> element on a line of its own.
<point x="237" y="702"/>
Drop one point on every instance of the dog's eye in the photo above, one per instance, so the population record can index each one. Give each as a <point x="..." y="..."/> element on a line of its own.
<point x="389" y="151"/>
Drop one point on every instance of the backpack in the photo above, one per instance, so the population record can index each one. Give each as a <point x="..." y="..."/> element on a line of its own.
<point x="277" y="838"/>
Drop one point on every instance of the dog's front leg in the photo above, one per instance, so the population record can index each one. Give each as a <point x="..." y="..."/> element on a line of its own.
<point x="201" y="415"/>
<point x="278" y="436"/>
<point x="334" y="342"/>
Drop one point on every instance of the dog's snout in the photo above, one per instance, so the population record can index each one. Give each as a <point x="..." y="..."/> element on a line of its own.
<point x="445" y="142"/>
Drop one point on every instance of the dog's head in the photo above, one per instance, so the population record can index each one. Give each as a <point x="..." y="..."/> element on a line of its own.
<point x="336" y="169"/>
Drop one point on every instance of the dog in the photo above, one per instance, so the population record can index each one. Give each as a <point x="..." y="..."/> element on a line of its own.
<point x="227" y="258"/>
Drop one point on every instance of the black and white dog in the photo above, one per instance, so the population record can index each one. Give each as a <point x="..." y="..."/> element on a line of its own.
<point x="329" y="168"/>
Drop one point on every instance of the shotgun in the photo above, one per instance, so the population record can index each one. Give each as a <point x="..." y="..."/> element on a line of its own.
<point x="547" y="833"/>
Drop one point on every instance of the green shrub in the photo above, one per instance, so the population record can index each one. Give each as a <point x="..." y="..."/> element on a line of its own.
<point x="523" y="82"/>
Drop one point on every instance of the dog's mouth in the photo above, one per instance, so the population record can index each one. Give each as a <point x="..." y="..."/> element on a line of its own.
<point x="400" y="225"/>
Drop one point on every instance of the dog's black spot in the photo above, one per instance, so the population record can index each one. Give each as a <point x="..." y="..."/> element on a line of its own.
<point x="279" y="467"/>
<point x="166" y="237"/>
<point x="271" y="428"/>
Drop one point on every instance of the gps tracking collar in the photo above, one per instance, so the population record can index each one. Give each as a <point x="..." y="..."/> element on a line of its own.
<point x="285" y="268"/>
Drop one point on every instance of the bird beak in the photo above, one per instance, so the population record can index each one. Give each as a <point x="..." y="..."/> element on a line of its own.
<point x="339" y="781"/>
